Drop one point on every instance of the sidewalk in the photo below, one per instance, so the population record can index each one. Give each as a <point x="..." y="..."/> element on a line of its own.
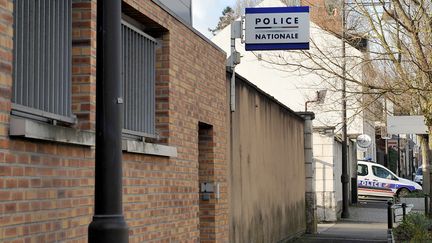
<point x="367" y="223"/>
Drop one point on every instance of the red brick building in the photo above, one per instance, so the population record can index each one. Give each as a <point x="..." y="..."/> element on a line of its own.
<point x="175" y="122"/>
<point x="326" y="14"/>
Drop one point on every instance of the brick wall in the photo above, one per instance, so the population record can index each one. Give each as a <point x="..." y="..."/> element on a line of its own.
<point x="207" y="201"/>
<point x="324" y="16"/>
<point x="84" y="63"/>
<point x="46" y="188"/>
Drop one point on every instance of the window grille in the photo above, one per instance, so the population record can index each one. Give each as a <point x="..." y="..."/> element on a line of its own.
<point x="138" y="77"/>
<point x="42" y="59"/>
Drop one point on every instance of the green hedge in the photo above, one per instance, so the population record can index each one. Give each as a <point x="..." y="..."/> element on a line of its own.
<point x="415" y="228"/>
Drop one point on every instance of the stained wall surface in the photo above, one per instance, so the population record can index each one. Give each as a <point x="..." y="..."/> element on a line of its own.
<point x="267" y="169"/>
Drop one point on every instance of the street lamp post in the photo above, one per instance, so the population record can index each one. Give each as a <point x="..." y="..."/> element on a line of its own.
<point x="345" y="175"/>
<point x="108" y="224"/>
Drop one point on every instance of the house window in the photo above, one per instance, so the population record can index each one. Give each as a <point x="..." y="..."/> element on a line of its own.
<point x="138" y="77"/>
<point x="42" y="59"/>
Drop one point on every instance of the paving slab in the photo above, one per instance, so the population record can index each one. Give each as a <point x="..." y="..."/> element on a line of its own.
<point x="367" y="223"/>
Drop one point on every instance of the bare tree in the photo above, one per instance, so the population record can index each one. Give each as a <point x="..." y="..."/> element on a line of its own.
<point x="230" y="14"/>
<point x="395" y="65"/>
<point x="240" y="5"/>
<point x="397" y="61"/>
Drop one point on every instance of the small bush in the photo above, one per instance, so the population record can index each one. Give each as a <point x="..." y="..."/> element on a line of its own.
<point x="415" y="228"/>
<point x="416" y="194"/>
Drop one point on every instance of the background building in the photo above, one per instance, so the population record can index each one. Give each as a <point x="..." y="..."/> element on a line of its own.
<point x="285" y="76"/>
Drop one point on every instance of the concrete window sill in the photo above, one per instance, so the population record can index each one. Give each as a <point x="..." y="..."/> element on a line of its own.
<point x="27" y="128"/>
<point x="138" y="147"/>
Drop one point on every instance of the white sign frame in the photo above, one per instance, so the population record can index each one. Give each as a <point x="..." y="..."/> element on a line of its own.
<point x="277" y="28"/>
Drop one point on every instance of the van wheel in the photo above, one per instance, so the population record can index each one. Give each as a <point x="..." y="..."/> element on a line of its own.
<point x="403" y="192"/>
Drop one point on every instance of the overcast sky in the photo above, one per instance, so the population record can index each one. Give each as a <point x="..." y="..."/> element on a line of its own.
<point x="206" y="14"/>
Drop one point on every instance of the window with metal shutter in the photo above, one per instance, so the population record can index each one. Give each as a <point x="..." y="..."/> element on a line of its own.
<point x="139" y="56"/>
<point x="42" y="59"/>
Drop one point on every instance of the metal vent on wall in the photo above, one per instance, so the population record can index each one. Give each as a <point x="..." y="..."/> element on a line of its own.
<point x="42" y="58"/>
<point x="139" y="57"/>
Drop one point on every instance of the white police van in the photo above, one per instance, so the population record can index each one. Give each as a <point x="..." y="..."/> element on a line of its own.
<point x="377" y="181"/>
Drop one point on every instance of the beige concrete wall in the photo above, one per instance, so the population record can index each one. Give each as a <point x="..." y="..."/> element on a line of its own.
<point x="267" y="169"/>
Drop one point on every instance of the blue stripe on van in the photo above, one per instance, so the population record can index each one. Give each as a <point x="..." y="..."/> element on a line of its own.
<point x="381" y="185"/>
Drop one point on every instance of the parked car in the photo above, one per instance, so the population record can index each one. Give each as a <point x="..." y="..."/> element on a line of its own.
<point x="377" y="181"/>
<point x="419" y="176"/>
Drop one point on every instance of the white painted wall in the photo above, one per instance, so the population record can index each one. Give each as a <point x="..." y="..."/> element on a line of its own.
<point x="328" y="170"/>
<point x="369" y="129"/>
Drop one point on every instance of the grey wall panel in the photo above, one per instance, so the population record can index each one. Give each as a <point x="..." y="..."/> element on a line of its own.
<point x="183" y="8"/>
